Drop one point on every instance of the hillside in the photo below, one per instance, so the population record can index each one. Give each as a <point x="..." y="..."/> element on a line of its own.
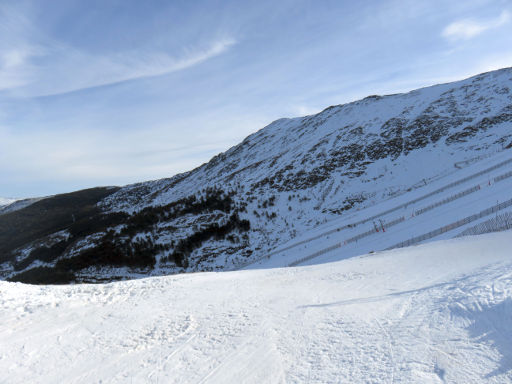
<point x="5" y="201"/>
<point x="429" y="314"/>
<point x="288" y="180"/>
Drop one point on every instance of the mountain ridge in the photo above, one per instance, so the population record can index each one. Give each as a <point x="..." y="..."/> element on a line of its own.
<point x="319" y="116"/>
<point x="6" y="201"/>
<point x="285" y="179"/>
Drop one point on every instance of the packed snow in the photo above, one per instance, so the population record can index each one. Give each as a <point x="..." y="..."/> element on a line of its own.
<point x="434" y="313"/>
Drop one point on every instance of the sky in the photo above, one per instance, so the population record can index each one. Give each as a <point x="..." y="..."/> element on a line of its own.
<point x="112" y="92"/>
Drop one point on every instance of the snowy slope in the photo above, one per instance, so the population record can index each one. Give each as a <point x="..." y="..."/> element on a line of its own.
<point x="449" y="123"/>
<point x="320" y="167"/>
<point x="11" y="205"/>
<point x="435" y="313"/>
<point x="488" y="184"/>
<point x="5" y="201"/>
<point x="290" y="179"/>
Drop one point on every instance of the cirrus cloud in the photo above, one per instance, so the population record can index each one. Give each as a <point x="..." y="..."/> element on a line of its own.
<point x="33" y="64"/>
<point x="56" y="69"/>
<point x="469" y="28"/>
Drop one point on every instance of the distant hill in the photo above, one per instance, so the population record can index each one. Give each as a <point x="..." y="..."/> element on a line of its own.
<point x="6" y="201"/>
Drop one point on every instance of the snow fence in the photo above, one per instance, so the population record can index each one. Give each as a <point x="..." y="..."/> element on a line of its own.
<point x="449" y="227"/>
<point x="501" y="222"/>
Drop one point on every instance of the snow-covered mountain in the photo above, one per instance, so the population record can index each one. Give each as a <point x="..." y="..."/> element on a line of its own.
<point x="437" y="313"/>
<point x="12" y="205"/>
<point x="285" y="181"/>
<point x="6" y="201"/>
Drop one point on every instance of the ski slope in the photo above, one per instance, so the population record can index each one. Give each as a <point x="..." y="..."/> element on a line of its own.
<point x="481" y="189"/>
<point x="435" y="313"/>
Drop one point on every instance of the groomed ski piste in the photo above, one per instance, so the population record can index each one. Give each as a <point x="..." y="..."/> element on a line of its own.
<point x="439" y="312"/>
<point x="433" y="313"/>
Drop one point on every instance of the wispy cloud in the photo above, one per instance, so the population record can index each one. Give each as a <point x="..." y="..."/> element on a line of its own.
<point x="469" y="28"/>
<point x="14" y="71"/>
<point x="64" y="69"/>
<point x="16" y="48"/>
<point x="34" y="64"/>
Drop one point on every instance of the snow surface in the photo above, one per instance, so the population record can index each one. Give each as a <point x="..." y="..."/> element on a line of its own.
<point x="5" y="201"/>
<point x="326" y="235"/>
<point x="11" y="205"/>
<point x="439" y="312"/>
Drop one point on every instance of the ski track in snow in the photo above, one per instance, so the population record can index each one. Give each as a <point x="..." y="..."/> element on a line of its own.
<point x="436" y="313"/>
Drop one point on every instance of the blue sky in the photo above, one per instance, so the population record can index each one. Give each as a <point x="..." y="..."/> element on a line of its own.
<point x="110" y="92"/>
